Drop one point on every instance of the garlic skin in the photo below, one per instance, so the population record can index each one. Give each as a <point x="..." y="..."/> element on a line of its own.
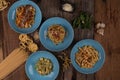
<point x="67" y="7"/>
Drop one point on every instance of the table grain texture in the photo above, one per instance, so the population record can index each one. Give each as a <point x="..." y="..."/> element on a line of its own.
<point x="107" y="11"/>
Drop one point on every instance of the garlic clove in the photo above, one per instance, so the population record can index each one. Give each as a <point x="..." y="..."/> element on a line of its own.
<point x="100" y="31"/>
<point x="36" y="35"/>
<point x="98" y="25"/>
<point x="102" y="25"/>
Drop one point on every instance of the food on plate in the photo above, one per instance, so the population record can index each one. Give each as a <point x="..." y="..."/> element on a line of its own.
<point x="56" y="33"/>
<point x="27" y="43"/>
<point x="3" y="4"/>
<point x="87" y="56"/>
<point x="25" y="16"/>
<point x="44" y="66"/>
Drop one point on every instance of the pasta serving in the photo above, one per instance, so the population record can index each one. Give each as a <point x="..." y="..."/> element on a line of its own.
<point x="56" y="33"/>
<point x="44" y="66"/>
<point x="87" y="56"/>
<point x="25" y="16"/>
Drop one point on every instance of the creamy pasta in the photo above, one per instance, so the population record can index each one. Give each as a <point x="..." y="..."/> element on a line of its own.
<point x="44" y="66"/>
<point x="56" y="33"/>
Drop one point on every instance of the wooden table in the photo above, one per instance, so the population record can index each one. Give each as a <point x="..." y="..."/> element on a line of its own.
<point x="107" y="11"/>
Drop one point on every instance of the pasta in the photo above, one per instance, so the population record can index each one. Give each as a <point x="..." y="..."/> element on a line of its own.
<point x="25" y="38"/>
<point x="25" y="16"/>
<point x="16" y="58"/>
<point x="87" y="56"/>
<point x="56" y="33"/>
<point x="32" y="47"/>
<point x="44" y="66"/>
<point x="3" y="4"/>
<point x="65" y="61"/>
<point x="27" y="43"/>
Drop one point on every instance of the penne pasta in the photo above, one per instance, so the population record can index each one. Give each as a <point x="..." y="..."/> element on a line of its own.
<point x="87" y="56"/>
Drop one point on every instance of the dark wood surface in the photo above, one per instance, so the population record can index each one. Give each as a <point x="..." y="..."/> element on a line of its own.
<point x="107" y="11"/>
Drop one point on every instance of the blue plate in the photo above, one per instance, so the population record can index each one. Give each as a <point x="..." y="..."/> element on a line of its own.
<point x="47" y="43"/>
<point x="97" y="46"/>
<point x="30" y="66"/>
<point x="12" y="16"/>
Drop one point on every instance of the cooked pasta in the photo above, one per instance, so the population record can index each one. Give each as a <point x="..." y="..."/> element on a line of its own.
<point x="25" y="16"/>
<point x="56" y="33"/>
<point x="44" y="66"/>
<point x="87" y="56"/>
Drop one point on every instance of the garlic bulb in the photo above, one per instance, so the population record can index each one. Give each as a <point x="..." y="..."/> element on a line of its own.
<point x="67" y="7"/>
<point x="100" y="28"/>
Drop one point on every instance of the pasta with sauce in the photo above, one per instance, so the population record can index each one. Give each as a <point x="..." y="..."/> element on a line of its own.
<point x="56" y="33"/>
<point x="44" y="66"/>
<point x="87" y="56"/>
<point x="25" y="16"/>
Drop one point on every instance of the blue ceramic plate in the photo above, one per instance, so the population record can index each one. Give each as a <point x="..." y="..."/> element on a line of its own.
<point x="97" y="46"/>
<point x="12" y="16"/>
<point x="47" y="43"/>
<point x="30" y="66"/>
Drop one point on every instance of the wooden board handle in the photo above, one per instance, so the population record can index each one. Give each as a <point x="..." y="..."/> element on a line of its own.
<point x="14" y="60"/>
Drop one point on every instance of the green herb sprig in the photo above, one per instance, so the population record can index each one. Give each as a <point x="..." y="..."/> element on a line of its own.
<point x="83" y="21"/>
